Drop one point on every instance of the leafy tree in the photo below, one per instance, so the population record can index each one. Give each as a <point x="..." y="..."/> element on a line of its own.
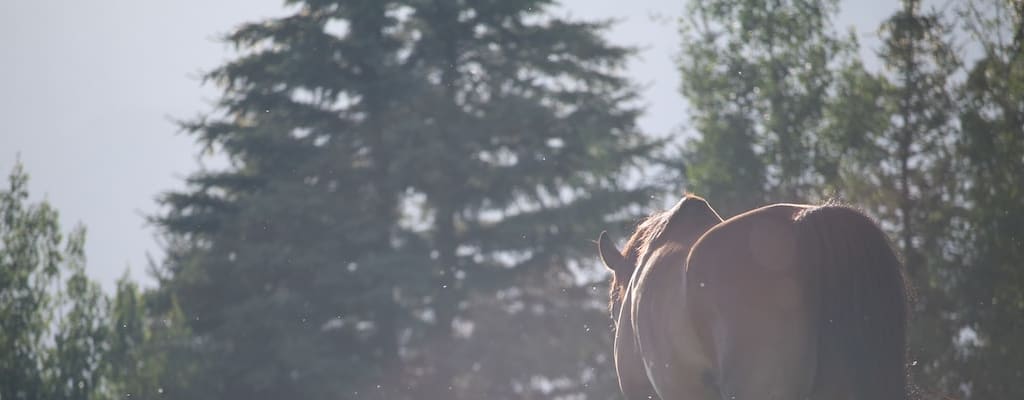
<point x="890" y="138"/>
<point x="785" y="111"/>
<point x="856" y="116"/>
<point x="409" y="181"/>
<point x="906" y="174"/>
<point x="51" y="329"/>
<point x="74" y="361"/>
<point x="148" y="352"/>
<point x="757" y="75"/>
<point x="125" y="371"/>
<point x="992" y="119"/>
<point x="920" y="59"/>
<point x="30" y="263"/>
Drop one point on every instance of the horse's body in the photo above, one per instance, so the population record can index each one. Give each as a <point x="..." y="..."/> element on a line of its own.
<point x="782" y="302"/>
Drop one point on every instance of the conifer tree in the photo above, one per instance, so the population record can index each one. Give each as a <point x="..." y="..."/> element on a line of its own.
<point x="992" y="120"/>
<point x="408" y="213"/>
<point x="911" y="176"/>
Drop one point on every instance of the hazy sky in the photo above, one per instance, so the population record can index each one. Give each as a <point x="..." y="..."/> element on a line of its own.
<point x="89" y="91"/>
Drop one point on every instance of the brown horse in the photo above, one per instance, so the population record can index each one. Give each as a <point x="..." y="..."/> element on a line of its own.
<point x="782" y="302"/>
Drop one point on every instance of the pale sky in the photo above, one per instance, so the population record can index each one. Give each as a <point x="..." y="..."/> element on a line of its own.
<point x="89" y="89"/>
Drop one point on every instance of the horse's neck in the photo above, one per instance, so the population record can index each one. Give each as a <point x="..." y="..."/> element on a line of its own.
<point x="663" y="327"/>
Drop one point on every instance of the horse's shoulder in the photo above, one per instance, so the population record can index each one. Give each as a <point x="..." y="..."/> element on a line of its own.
<point x="764" y="236"/>
<point x="772" y="213"/>
<point x="769" y="216"/>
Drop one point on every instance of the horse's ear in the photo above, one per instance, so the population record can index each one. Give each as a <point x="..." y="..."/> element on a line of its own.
<point x="610" y="256"/>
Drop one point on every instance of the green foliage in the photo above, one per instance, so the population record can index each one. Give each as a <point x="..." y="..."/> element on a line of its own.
<point x="888" y="141"/>
<point x="992" y="119"/>
<point x="892" y="134"/>
<point x="757" y="75"/>
<point x="52" y="328"/>
<point x="29" y="262"/>
<point x="79" y="343"/>
<point x="147" y="355"/>
<point x="408" y="178"/>
<point x="128" y="334"/>
<point x="414" y="184"/>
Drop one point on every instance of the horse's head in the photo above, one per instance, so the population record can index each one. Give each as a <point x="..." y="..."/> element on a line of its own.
<point x="691" y="216"/>
<point x="677" y="228"/>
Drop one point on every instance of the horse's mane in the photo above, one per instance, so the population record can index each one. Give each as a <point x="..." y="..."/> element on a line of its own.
<point x="648" y="231"/>
<point x="862" y="294"/>
<point x="637" y="244"/>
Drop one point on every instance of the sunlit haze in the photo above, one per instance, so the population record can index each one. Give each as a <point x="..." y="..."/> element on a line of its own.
<point x="89" y="92"/>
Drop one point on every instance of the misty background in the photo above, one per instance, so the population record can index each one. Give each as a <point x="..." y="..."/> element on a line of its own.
<point x="90" y="90"/>
<point x="397" y="199"/>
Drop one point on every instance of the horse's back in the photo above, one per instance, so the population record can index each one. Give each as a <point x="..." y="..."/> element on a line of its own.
<point x="801" y="301"/>
<point x="767" y="236"/>
<point x="752" y="302"/>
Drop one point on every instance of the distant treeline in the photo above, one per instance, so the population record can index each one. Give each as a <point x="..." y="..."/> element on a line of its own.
<point x="414" y="187"/>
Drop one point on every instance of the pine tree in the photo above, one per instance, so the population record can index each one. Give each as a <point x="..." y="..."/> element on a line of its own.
<point x="757" y="75"/>
<point x="282" y="264"/>
<point x="891" y="137"/>
<point x="532" y="126"/>
<point x="912" y="176"/>
<point x="409" y="181"/>
<point x="992" y="120"/>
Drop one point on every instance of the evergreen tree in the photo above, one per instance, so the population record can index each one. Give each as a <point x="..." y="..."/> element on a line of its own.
<point x="283" y="264"/>
<point x="890" y="135"/>
<point x="757" y="75"/>
<point x="409" y="181"/>
<point x="920" y="59"/>
<point x="910" y="181"/>
<point x="528" y="125"/>
<point x="992" y="119"/>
